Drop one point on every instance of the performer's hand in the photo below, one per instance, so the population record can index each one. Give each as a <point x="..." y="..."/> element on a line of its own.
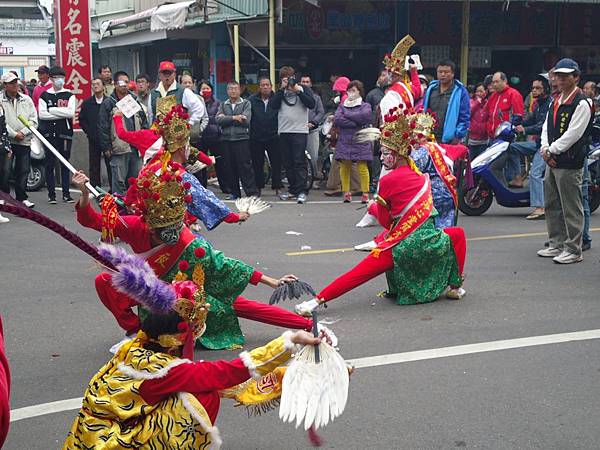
<point x="118" y="113"/>
<point x="244" y="215"/>
<point x="213" y="159"/>
<point x="287" y="279"/>
<point x="305" y="338"/>
<point x="79" y="180"/>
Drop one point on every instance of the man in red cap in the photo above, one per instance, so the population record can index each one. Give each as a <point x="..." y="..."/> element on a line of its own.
<point x="186" y="97"/>
<point x="43" y="85"/>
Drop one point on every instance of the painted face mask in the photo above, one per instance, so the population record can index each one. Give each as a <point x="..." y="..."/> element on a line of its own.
<point x="169" y="235"/>
<point x="388" y="159"/>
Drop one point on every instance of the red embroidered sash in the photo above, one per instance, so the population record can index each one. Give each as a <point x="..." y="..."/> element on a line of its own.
<point x="163" y="259"/>
<point x="413" y="218"/>
<point x="442" y="169"/>
<point x="403" y="90"/>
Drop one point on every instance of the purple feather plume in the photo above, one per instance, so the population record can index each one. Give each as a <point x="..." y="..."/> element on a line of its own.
<point x="11" y="206"/>
<point x="136" y="279"/>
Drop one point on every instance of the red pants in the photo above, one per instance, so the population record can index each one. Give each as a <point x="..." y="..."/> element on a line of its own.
<point x="120" y="306"/>
<point x="370" y="267"/>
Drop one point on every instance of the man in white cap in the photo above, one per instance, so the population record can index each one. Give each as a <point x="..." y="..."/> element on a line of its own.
<point x="563" y="147"/>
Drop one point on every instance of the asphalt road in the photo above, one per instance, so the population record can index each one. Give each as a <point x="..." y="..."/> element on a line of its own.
<point x="539" y="397"/>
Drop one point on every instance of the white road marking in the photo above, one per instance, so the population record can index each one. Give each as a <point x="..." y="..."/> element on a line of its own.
<point x="370" y="361"/>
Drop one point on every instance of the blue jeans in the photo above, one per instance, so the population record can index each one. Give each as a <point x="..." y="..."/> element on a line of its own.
<point x="586" y="203"/>
<point x="536" y="171"/>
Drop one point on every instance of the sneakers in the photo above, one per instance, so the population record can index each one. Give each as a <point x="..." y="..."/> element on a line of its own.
<point x="306" y="308"/>
<point x="4" y="219"/>
<point x="549" y="252"/>
<point x="28" y="203"/>
<point x="455" y="293"/>
<point x="368" y="220"/>
<point x="52" y="200"/>
<point x="586" y="245"/>
<point x="68" y="199"/>
<point x="366" y="247"/>
<point x="568" y="258"/>
<point x="347" y="197"/>
<point x="287" y="196"/>
<point x="301" y="199"/>
<point x="364" y="199"/>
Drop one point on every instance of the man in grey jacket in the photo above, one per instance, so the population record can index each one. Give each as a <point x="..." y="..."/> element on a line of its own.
<point x="125" y="161"/>
<point x="315" y="120"/>
<point x="14" y="104"/>
<point x="234" y="117"/>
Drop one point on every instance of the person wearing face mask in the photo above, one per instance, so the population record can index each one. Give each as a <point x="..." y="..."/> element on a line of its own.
<point x="210" y="141"/>
<point x="56" y="109"/>
<point x="420" y="261"/>
<point x="350" y="117"/>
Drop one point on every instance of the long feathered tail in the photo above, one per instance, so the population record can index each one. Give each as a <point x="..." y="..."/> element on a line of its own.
<point x="136" y="278"/>
<point x="10" y="206"/>
<point x="367" y="135"/>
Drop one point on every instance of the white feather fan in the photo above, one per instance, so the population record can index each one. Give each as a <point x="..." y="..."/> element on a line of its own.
<point x="251" y="205"/>
<point x="314" y="392"/>
<point x="367" y="135"/>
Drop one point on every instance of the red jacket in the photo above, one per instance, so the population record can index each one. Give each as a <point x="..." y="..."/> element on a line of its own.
<point x="478" y="129"/>
<point x="503" y="106"/>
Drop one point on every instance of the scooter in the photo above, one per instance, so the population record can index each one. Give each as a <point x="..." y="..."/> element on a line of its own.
<point x="489" y="180"/>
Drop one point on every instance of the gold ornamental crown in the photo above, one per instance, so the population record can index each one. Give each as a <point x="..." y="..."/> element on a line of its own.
<point x="174" y="128"/>
<point x="394" y="62"/>
<point x="404" y="130"/>
<point x="159" y="194"/>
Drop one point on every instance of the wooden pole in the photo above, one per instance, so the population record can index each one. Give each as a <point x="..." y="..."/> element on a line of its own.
<point x="464" y="45"/>
<point x="236" y="52"/>
<point x="272" y="42"/>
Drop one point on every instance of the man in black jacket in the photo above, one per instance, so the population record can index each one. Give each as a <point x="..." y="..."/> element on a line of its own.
<point x="263" y="136"/>
<point x="88" y="120"/>
<point x="532" y="126"/>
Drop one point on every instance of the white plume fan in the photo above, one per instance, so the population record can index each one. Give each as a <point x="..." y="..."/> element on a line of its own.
<point x="251" y="205"/>
<point x="367" y="135"/>
<point x="315" y="386"/>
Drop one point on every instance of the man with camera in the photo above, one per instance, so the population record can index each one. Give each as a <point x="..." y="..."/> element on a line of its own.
<point x="293" y="103"/>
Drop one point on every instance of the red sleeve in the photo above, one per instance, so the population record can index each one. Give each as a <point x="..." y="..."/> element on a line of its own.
<point x="141" y="139"/>
<point x="204" y="158"/>
<point x="517" y="102"/>
<point x="194" y="377"/>
<point x="255" y="278"/>
<point x="4" y="390"/>
<point x="88" y="217"/>
<point x="415" y="84"/>
<point x="232" y="218"/>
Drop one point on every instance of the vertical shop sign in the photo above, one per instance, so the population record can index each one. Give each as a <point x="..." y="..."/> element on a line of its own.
<point x="73" y="47"/>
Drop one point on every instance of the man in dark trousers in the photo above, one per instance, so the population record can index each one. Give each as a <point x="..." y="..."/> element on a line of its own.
<point x="88" y="120"/>
<point x="263" y="136"/>
<point x="564" y="147"/>
<point x="234" y="117"/>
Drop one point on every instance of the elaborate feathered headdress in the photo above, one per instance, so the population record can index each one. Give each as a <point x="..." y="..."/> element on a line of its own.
<point x="394" y="62"/>
<point x="404" y="130"/>
<point x="135" y="278"/>
<point x="159" y="194"/>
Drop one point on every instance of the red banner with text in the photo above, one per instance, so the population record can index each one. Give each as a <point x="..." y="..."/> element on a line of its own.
<point x="74" y="47"/>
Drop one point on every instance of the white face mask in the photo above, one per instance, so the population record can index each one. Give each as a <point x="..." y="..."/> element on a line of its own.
<point x="336" y="100"/>
<point x="353" y="96"/>
<point x="58" y="82"/>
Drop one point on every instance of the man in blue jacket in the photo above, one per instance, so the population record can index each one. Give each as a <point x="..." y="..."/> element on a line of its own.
<point x="449" y="100"/>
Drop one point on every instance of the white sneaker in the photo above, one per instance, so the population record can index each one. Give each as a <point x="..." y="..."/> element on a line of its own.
<point x="28" y="203"/>
<point x="301" y="198"/>
<point x="549" y="252"/>
<point x="368" y="220"/>
<point x="568" y="258"/>
<point x="306" y="308"/>
<point x="4" y="219"/>
<point x="115" y="348"/>
<point x="366" y="247"/>
<point x="455" y="293"/>
<point x="328" y="332"/>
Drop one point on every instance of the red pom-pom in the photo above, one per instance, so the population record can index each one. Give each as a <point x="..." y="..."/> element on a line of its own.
<point x="387" y="133"/>
<point x="167" y="177"/>
<point x="187" y="185"/>
<point x="413" y="142"/>
<point x="413" y="125"/>
<point x="131" y="180"/>
<point x="199" y="252"/>
<point x="184" y="265"/>
<point x="146" y="184"/>
<point x="405" y="135"/>
<point x="145" y="194"/>
<point x="420" y="135"/>
<point x="156" y="196"/>
<point x="183" y="327"/>
<point x="188" y="198"/>
<point x="178" y="178"/>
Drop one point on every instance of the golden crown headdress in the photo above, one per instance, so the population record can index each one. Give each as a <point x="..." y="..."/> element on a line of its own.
<point x="159" y="194"/>
<point x="394" y="62"/>
<point x="404" y="130"/>
<point x="174" y="128"/>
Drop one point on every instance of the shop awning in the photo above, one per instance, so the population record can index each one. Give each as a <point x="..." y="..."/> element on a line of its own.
<point x="171" y="17"/>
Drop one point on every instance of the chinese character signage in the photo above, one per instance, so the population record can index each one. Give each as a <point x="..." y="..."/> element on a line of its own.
<point x="73" y="46"/>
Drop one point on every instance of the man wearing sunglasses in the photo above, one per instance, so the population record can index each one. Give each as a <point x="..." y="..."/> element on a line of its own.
<point x="169" y="86"/>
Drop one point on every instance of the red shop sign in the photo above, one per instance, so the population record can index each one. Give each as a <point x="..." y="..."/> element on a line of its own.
<point x="74" y="47"/>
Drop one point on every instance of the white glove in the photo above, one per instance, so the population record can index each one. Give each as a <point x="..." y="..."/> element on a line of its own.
<point x="306" y="308"/>
<point x="196" y="167"/>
